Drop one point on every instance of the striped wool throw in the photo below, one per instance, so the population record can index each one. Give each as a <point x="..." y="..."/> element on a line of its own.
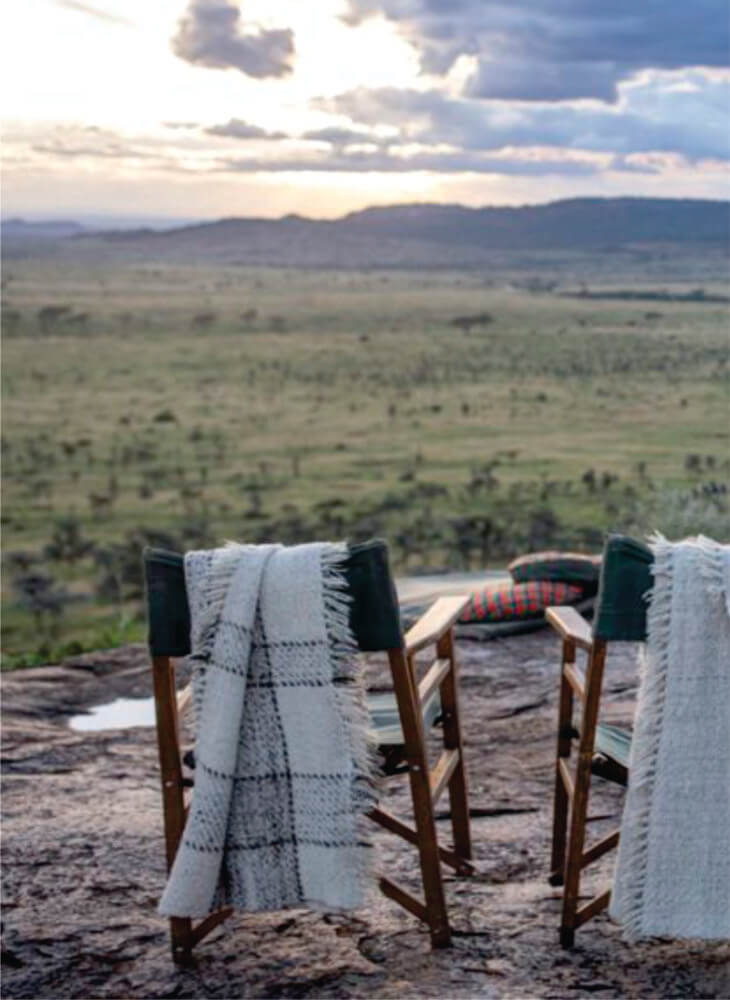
<point x="283" y="776"/>
<point x="673" y="868"/>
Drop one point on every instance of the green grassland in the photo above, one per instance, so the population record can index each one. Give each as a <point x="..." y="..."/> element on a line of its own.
<point x="186" y="405"/>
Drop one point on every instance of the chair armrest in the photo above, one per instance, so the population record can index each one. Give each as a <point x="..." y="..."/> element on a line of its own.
<point x="435" y="623"/>
<point x="571" y="625"/>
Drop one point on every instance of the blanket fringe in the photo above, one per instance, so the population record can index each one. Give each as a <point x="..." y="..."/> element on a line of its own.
<point x="352" y="701"/>
<point x="627" y="903"/>
<point x="715" y="569"/>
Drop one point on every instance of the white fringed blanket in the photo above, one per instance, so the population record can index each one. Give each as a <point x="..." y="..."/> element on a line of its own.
<point x="673" y="869"/>
<point x="283" y="766"/>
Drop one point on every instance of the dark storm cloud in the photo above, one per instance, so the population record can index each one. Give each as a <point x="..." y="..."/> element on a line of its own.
<point x="238" y="129"/>
<point x="543" y="50"/>
<point x="506" y="79"/>
<point x="687" y="116"/>
<point x="211" y="33"/>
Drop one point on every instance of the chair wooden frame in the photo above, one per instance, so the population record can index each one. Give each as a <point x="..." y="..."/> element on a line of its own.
<point x="569" y="856"/>
<point x="435" y="628"/>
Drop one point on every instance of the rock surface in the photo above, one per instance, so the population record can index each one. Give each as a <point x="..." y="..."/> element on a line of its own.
<point x="84" y="869"/>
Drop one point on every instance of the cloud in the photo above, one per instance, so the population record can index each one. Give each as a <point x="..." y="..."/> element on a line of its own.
<point x="545" y="50"/>
<point x="338" y="136"/>
<point x="211" y="33"/>
<point x="66" y="143"/>
<point x="196" y="157"/>
<point x="110" y="152"/>
<point x="351" y="153"/>
<point x="506" y="79"/>
<point x="238" y="129"/>
<point x="360" y="160"/>
<point x="684" y="113"/>
<point x="101" y="15"/>
<point x="90" y="142"/>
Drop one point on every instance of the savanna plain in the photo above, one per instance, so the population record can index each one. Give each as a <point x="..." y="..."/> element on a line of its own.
<point x="466" y="417"/>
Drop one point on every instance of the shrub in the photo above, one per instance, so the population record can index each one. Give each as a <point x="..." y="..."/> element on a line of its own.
<point x="67" y="542"/>
<point x="50" y="315"/>
<point x="165" y="417"/>
<point x="466" y="323"/>
<point x="203" y="321"/>
<point x="39" y="594"/>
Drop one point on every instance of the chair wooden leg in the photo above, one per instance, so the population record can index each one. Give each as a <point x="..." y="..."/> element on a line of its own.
<point x="576" y="841"/>
<point x="458" y="795"/>
<point x="560" y="827"/>
<point x="173" y="804"/>
<point x="181" y="940"/>
<point x="433" y="889"/>
<point x="561" y="800"/>
<point x="579" y="809"/>
<point x="411" y="721"/>
<point x="567" y="937"/>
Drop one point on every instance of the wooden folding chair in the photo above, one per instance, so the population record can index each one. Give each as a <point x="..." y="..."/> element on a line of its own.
<point x="603" y="750"/>
<point x="400" y="720"/>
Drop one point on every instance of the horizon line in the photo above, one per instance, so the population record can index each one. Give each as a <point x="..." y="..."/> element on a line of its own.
<point x="35" y="218"/>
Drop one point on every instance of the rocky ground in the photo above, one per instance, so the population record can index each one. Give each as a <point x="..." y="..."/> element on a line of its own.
<point x="83" y="862"/>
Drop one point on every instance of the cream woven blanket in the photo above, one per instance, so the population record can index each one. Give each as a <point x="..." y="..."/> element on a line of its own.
<point x="283" y="764"/>
<point x="673" y="868"/>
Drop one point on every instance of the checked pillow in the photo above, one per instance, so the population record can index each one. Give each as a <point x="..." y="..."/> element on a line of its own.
<point x="505" y="601"/>
<point x="566" y="567"/>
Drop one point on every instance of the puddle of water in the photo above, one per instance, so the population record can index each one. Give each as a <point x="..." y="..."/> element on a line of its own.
<point x="123" y="713"/>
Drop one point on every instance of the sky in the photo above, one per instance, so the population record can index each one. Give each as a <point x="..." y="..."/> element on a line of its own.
<point x="210" y="108"/>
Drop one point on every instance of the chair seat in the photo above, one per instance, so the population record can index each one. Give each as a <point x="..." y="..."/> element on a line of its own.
<point x="385" y="724"/>
<point x="614" y="742"/>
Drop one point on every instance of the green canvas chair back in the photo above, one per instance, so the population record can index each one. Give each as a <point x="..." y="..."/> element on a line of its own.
<point x="374" y="617"/>
<point x="623" y="591"/>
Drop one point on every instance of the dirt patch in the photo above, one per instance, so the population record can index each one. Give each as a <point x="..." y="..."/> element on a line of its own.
<point x="83" y="861"/>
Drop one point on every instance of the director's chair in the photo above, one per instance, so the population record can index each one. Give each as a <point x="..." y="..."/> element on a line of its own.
<point x="399" y="720"/>
<point x="603" y="750"/>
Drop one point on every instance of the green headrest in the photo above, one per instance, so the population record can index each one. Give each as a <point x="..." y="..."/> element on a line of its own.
<point x="623" y="592"/>
<point x="374" y="617"/>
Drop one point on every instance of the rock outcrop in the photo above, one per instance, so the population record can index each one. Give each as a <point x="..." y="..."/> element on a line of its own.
<point x="84" y="863"/>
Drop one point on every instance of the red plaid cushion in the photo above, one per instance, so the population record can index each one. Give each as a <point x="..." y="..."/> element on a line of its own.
<point x="505" y="601"/>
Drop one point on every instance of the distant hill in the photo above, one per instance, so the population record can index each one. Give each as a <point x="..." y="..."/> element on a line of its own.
<point x="589" y="222"/>
<point x="51" y="230"/>
<point x="424" y="235"/>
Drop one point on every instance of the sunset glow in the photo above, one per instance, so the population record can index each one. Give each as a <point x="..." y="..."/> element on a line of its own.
<point x="208" y="108"/>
